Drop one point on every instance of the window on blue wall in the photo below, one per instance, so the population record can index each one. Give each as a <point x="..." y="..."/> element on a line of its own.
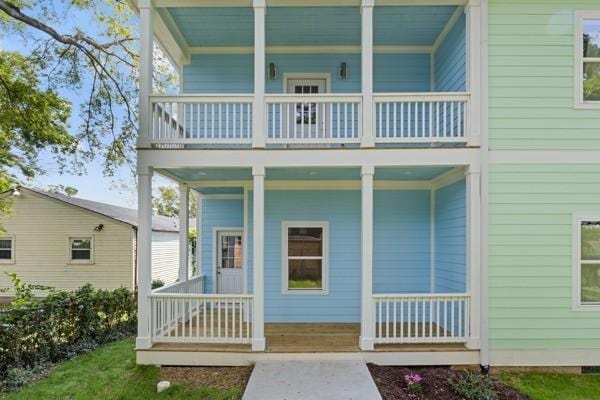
<point x="586" y="262"/>
<point x="305" y="257"/>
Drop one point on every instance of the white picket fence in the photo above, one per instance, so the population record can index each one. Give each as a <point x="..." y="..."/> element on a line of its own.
<point x="421" y="318"/>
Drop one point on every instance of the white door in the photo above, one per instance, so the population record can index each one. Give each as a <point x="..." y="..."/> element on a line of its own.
<point x="306" y="119"/>
<point x="229" y="262"/>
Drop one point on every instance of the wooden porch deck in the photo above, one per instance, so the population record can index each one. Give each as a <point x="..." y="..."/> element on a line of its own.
<point x="303" y="338"/>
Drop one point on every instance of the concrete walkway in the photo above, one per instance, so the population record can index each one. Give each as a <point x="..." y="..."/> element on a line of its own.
<point x="311" y="380"/>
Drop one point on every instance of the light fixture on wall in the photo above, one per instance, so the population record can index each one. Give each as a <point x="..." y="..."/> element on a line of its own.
<point x="99" y="228"/>
<point x="343" y="71"/>
<point x="272" y="72"/>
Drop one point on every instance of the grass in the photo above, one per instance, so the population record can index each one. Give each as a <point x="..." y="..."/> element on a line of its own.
<point x="544" y="386"/>
<point x="110" y="372"/>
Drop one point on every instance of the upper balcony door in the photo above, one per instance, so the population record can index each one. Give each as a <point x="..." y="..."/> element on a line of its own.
<point x="307" y="119"/>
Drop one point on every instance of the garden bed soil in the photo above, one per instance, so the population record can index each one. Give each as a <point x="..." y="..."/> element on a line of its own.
<point x="220" y="378"/>
<point x="391" y="384"/>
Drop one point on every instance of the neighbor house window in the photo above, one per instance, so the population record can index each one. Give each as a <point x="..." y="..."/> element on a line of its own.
<point x="80" y="250"/>
<point x="588" y="60"/>
<point x="586" y="261"/>
<point x="305" y="268"/>
<point x="7" y="249"/>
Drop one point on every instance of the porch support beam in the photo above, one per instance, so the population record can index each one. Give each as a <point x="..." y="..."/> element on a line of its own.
<point x="367" y="138"/>
<point x="474" y="63"/>
<point x="258" y="121"/>
<point x="473" y="181"/>
<point x="144" y="257"/>
<point x="258" y="323"/>
<point x="367" y="326"/>
<point x="146" y="65"/>
<point x="199" y="226"/>
<point x="184" y="195"/>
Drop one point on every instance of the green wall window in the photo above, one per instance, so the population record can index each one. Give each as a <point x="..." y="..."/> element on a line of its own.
<point x="588" y="60"/>
<point x="586" y="260"/>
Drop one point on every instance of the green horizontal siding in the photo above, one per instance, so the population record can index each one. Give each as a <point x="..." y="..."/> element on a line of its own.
<point x="531" y="77"/>
<point x="531" y="209"/>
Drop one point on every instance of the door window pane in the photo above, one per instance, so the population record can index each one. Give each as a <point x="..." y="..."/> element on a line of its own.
<point x="231" y="251"/>
<point x="590" y="283"/>
<point x="306" y="242"/>
<point x="305" y="274"/>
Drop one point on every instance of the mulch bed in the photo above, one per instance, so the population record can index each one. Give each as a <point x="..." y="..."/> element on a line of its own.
<point x="391" y="385"/>
<point x="221" y="378"/>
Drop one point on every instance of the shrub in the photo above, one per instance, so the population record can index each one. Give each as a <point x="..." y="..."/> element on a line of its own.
<point x="157" y="283"/>
<point x="36" y="332"/>
<point x="473" y="387"/>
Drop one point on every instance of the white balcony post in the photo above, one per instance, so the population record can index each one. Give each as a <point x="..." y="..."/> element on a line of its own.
<point x="368" y="134"/>
<point x="366" y="320"/>
<point x="473" y="13"/>
<point x="473" y="177"/>
<point x="144" y="257"/>
<point x="258" y="108"/>
<point x="258" y="328"/>
<point x="184" y="195"/>
<point x="199" y="226"/>
<point x="146" y="60"/>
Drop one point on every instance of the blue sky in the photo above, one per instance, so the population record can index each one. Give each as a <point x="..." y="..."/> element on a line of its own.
<point x="120" y="189"/>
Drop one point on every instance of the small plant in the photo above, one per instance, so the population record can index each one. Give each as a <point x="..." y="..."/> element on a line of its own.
<point x="157" y="283"/>
<point x="473" y="387"/>
<point x="413" y="381"/>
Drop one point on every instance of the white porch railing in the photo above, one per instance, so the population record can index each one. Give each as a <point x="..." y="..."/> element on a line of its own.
<point x="201" y="119"/>
<point x="201" y="318"/>
<point x="421" y="117"/>
<point x="306" y="119"/>
<point x="421" y="318"/>
<point x="194" y="285"/>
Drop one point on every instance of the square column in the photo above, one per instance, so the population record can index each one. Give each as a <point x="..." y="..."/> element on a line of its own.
<point x="474" y="39"/>
<point x="146" y="60"/>
<point x="367" y="139"/>
<point x="258" y="108"/>
<point x="199" y="226"/>
<point x="258" y="242"/>
<point x="473" y="178"/>
<point x="144" y="257"/>
<point x="184" y="196"/>
<point x="367" y="327"/>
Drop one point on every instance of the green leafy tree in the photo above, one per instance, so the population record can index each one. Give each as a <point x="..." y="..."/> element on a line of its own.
<point x="85" y="47"/>
<point x="62" y="189"/>
<point x="167" y="202"/>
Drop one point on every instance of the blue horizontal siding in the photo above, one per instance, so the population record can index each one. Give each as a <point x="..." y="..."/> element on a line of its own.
<point x="401" y="247"/>
<point x="217" y="214"/>
<point x="219" y="73"/>
<point x="451" y="59"/>
<point x="450" y="238"/>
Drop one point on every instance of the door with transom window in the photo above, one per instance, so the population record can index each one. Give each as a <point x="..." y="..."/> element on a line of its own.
<point x="229" y="262"/>
<point x="306" y="119"/>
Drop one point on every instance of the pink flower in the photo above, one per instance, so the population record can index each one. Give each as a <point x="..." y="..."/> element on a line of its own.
<point x="412" y="379"/>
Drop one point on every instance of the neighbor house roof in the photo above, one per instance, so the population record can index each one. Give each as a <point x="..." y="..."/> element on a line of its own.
<point x="122" y="214"/>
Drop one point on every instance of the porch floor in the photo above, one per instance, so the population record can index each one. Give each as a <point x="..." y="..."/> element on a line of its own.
<point x="309" y="338"/>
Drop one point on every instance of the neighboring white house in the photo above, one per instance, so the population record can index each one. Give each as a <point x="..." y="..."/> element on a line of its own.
<point x="65" y="242"/>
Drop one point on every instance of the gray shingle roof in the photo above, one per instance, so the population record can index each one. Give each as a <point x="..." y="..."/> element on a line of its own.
<point x="126" y="215"/>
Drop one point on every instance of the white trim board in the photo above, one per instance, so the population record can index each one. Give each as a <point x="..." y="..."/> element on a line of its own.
<point x="442" y="181"/>
<point x="312" y="49"/>
<point x="305" y="3"/>
<point x="544" y="357"/>
<point x="544" y="156"/>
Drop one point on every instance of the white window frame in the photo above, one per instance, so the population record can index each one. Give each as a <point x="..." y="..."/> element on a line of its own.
<point x="580" y="16"/>
<point x="285" y="225"/>
<point x="12" y="249"/>
<point x="70" y="250"/>
<point x="576" y="267"/>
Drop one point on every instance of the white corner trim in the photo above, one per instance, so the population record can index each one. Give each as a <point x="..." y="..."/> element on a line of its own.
<point x="576" y="304"/>
<point x="447" y="28"/>
<point x="580" y="103"/>
<point x="285" y="290"/>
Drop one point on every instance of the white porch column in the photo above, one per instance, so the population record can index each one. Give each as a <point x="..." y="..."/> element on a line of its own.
<point x="473" y="13"/>
<point x="473" y="178"/>
<point x="258" y="110"/>
<point x="367" y="139"/>
<point x="258" y="327"/>
<point x="199" y="223"/>
<point x="184" y="228"/>
<point x="366" y="320"/>
<point x="146" y="59"/>
<point x="144" y="257"/>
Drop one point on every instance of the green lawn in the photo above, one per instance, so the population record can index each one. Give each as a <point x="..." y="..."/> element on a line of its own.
<point x="542" y="386"/>
<point x="111" y="373"/>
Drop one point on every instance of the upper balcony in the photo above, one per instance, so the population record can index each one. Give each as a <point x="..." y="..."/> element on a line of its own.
<point x="256" y="75"/>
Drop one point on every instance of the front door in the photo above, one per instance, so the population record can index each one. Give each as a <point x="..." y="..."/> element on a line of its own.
<point x="229" y="262"/>
<point x="306" y="119"/>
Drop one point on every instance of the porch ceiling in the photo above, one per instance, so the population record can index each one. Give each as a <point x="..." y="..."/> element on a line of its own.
<point x="234" y="26"/>
<point x="409" y="174"/>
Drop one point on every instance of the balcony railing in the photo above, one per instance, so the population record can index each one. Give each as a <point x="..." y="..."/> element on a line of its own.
<point x="325" y="119"/>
